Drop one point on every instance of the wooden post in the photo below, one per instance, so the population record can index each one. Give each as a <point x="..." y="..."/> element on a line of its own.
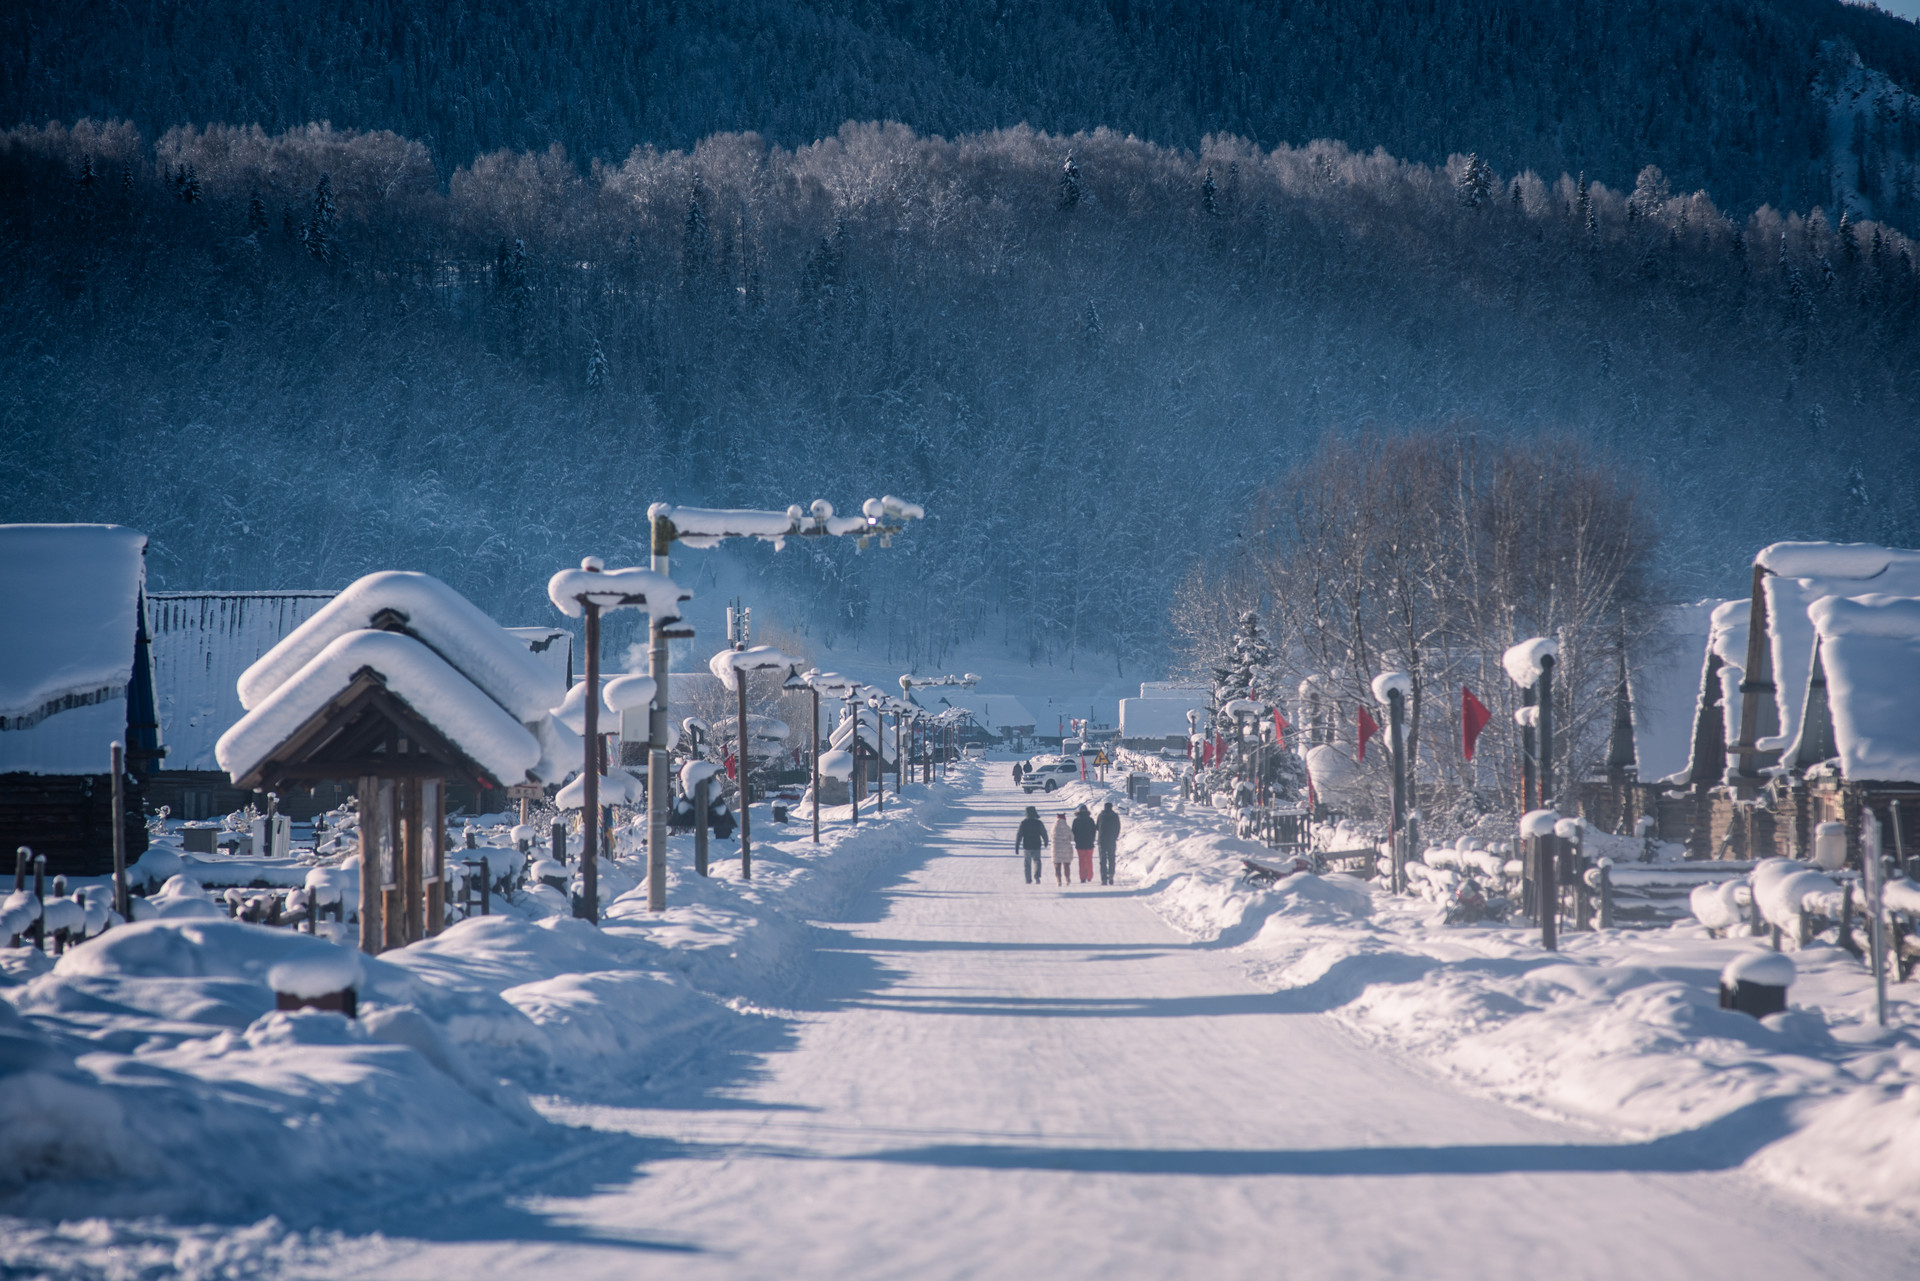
<point x="1529" y="794"/>
<point x="40" y="897"/>
<point x="740" y="756"/>
<point x="433" y="832"/>
<point x="557" y="841"/>
<point x="816" y="766"/>
<point x="1606" y="898"/>
<point x="879" y="760"/>
<point x="413" y="888"/>
<point x="121" y="903"/>
<point x="588" y="906"/>
<point x="1546" y="731"/>
<point x="700" y="826"/>
<point x="1547" y="871"/>
<point x="393" y="910"/>
<point x="899" y="751"/>
<point x="659" y="766"/>
<point x="1396" y="742"/>
<point x="372" y="932"/>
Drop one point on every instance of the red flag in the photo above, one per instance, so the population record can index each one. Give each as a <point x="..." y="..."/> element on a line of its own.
<point x="1368" y="728"/>
<point x="730" y="770"/>
<point x="1279" y="728"/>
<point x="1473" y="718"/>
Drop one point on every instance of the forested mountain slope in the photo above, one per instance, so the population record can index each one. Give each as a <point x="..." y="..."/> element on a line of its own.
<point x="1722" y="94"/>
<point x="296" y="358"/>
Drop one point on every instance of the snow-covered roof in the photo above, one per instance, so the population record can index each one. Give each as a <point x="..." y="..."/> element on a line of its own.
<point x="450" y="624"/>
<point x="1158" y="717"/>
<point x="1802" y="573"/>
<point x="69" y="614"/>
<point x="996" y="713"/>
<point x="1665" y="687"/>
<point x="202" y="642"/>
<point x="879" y="744"/>
<point x="1870" y="651"/>
<point x="413" y="673"/>
<point x="728" y="663"/>
<point x="1177" y="689"/>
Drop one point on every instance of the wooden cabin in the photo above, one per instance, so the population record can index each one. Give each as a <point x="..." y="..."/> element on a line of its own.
<point x="77" y="678"/>
<point x="399" y="687"/>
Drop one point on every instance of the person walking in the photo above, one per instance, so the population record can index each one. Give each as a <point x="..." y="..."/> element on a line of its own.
<point x="1031" y="841"/>
<point x="1017" y="773"/>
<point x="1062" y="850"/>
<point x="1107" y="832"/>
<point x="1084" y="830"/>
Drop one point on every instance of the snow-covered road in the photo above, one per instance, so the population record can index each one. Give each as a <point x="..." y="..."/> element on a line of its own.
<point x="998" y="1080"/>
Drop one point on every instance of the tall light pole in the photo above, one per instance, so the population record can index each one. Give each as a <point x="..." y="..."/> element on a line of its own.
<point x="731" y="667"/>
<point x="700" y="527"/>
<point x="584" y="593"/>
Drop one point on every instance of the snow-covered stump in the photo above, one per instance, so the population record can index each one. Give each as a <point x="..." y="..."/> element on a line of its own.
<point x="323" y="977"/>
<point x="1756" y="983"/>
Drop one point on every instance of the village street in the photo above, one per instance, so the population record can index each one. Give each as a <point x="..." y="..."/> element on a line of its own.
<point x="1001" y="1080"/>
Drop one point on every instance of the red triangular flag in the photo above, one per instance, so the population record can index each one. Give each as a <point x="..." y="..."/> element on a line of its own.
<point x="1368" y="728"/>
<point x="1279" y="728"/>
<point x="1473" y="718"/>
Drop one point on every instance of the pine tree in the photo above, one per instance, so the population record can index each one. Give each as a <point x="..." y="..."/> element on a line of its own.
<point x="87" y="179"/>
<point x="187" y="186"/>
<point x="1210" y="196"/>
<point x="1090" y="323"/>
<point x="321" y="231"/>
<point x="1475" y="184"/>
<point x="1849" y="241"/>
<point x="597" y="369"/>
<point x="696" y="239"/>
<point x="256" y="213"/>
<point x="1069" y="183"/>
<point x="1246" y="667"/>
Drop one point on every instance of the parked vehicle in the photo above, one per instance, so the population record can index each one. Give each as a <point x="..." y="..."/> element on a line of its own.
<point x="1046" y="776"/>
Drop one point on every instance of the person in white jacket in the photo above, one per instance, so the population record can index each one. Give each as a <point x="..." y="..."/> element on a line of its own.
<point x="1062" y="850"/>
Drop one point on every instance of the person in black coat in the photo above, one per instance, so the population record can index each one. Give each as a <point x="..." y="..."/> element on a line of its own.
<point x="1107" y="832"/>
<point x="1084" y="830"/>
<point x="1018" y="773"/>
<point x="1031" y="841"/>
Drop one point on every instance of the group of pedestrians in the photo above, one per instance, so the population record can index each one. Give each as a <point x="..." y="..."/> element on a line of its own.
<point x="1078" y="839"/>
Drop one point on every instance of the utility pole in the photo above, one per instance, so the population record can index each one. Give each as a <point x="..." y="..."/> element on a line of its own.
<point x="709" y="527"/>
<point x="584" y="593"/>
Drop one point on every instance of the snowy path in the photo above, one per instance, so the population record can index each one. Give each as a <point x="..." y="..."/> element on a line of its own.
<point x="999" y="1080"/>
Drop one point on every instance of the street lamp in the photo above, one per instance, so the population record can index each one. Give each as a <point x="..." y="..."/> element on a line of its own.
<point x="702" y="527"/>
<point x="731" y="667"/>
<point x="584" y="593"/>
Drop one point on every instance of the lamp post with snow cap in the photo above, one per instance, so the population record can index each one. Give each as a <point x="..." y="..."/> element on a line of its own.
<point x="731" y="667"/>
<point x="1530" y="664"/>
<point x="705" y="527"/>
<point x="584" y="593"/>
<point x="1393" y="689"/>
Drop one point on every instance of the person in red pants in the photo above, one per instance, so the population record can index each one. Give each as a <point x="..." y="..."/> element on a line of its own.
<point x="1085" y="830"/>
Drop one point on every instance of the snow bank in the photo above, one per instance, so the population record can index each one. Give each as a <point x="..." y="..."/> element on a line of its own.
<point x="413" y="673"/>
<point x="453" y="627"/>
<point x="320" y="970"/>
<point x="1620" y="1029"/>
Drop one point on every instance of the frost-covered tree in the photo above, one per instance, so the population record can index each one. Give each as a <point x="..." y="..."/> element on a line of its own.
<point x="1475" y="183"/>
<point x="1246" y="670"/>
<point x="1069" y="183"/>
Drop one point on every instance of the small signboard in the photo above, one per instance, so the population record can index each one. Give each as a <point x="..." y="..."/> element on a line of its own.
<point x="526" y="792"/>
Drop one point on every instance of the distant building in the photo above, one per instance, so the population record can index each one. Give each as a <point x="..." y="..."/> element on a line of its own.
<point x="1150" y="724"/>
<point x="998" y="717"/>
<point x="202" y="642"/>
<point x="77" y="678"/>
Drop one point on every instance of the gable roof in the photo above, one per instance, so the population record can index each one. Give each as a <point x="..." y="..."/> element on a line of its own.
<point x="1666" y="691"/>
